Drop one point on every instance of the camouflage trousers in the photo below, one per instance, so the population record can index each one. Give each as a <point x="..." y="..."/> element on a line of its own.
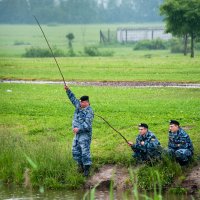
<point x="81" y="149"/>
<point x="181" y="154"/>
<point x="146" y="156"/>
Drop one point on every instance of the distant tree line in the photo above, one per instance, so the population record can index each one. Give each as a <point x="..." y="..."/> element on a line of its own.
<point x="79" y="11"/>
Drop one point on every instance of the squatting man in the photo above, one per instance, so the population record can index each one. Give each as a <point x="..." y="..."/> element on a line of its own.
<point x="179" y="145"/>
<point x="82" y="129"/>
<point x="147" y="147"/>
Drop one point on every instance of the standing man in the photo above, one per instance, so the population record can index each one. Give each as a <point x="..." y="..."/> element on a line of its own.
<point x="147" y="146"/>
<point x="82" y="129"/>
<point x="179" y="144"/>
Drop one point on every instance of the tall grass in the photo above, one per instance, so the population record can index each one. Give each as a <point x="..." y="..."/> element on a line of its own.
<point x="164" y="171"/>
<point x="44" y="162"/>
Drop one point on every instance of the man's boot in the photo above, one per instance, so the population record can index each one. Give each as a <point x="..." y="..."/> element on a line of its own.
<point x="80" y="168"/>
<point x="86" y="170"/>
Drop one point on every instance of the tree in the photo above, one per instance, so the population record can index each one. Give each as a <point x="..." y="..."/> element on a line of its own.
<point x="182" y="19"/>
<point x="70" y="37"/>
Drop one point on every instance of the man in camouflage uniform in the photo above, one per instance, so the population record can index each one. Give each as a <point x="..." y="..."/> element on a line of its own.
<point x="147" y="146"/>
<point x="179" y="144"/>
<point x="82" y="128"/>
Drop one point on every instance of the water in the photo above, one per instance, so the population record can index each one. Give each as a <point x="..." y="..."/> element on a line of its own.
<point x="17" y="193"/>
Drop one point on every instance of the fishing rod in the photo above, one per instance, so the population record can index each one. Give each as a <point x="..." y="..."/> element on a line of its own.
<point x="50" y="50"/>
<point x="112" y="128"/>
<point x="65" y="82"/>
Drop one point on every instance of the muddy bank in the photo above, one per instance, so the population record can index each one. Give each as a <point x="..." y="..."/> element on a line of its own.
<point x="120" y="177"/>
<point x="192" y="181"/>
<point x="102" y="178"/>
<point x="110" y="83"/>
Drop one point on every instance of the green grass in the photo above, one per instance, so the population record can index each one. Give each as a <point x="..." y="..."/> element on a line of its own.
<point x="175" y="68"/>
<point x="31" y="34"/>
<point x="36" y="121"/>
<point x="14" y="39"/>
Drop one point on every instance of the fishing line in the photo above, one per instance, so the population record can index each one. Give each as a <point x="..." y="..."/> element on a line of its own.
<point x="65" y="82"/>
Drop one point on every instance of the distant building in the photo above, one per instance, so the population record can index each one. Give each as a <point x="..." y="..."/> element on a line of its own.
<point x="131" y="35"/>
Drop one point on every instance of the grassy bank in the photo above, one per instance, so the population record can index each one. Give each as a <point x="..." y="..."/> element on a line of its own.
<point x="175" y="68"/>
<point x="36" y="128"/>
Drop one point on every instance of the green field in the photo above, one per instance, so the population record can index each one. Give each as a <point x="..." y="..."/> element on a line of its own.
<point x="14" y="39"/>
<point x="30" y="35"/>
<point x="157" y="68"/>
<point x="125" y="65"/>
<point x="36" y="121"/>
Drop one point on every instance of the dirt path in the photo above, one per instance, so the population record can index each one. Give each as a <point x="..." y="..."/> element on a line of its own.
<point x="110" y="83"/>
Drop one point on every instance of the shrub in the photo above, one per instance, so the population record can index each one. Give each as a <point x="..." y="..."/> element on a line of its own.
<point x="39" y="52"/>
<point x="94" y="51"/>
<point x="91" y="51"/>
<point x="71" y="53"/>
<point x="150" y="44"/>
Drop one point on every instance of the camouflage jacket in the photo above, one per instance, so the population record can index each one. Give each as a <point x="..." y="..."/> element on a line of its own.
<point x="179" y="140"/>
<point x="83" y="117"/>
<point x="151" y="143"/>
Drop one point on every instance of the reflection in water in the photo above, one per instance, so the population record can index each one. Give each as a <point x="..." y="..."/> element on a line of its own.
<point x="16" y="193"/>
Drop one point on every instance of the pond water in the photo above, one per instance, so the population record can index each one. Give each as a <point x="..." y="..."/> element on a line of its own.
<point x="16" y="193"/>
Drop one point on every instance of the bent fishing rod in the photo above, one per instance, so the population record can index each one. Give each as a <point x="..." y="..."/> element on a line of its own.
<point x="65" y="82"/>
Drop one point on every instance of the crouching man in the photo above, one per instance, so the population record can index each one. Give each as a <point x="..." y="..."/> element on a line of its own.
<point x="179" y="144"/>
<point x="147" y="147"/>
<point x="82" y="129"/>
